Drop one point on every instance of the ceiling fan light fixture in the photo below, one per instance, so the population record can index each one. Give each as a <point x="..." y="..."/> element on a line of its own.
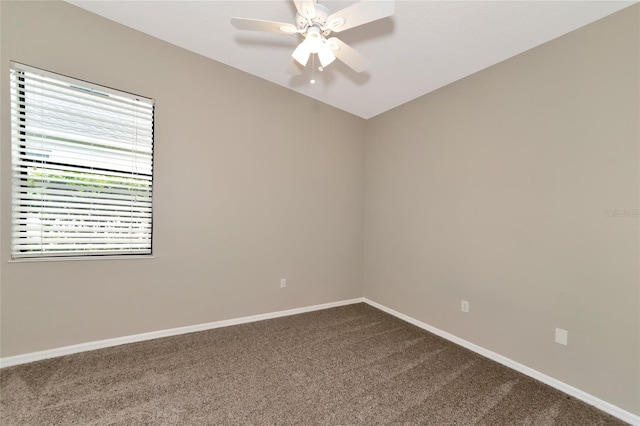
<point x="301" y="54"/>
<point x="326" y="56"/>
<point x="313" y="39"/>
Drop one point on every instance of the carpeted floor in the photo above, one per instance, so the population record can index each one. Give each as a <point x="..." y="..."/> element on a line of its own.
<point x="352" y="365"/>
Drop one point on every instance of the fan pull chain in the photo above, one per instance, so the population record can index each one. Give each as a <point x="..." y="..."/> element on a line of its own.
<point x="313" y="69"/>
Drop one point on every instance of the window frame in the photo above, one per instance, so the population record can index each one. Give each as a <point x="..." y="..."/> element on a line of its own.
<point x="122" y="232"/>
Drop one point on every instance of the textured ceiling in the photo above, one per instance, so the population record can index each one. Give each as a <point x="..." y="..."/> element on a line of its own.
<point x="425" y="45"/>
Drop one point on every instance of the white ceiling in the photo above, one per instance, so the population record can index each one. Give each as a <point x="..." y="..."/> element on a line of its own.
<point x="425" y="45"/>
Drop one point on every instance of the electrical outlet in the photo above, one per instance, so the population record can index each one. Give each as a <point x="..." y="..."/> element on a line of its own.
<point x="562" y="336"/>
<point x="464" y="306"/>
<point x="283" y="283"/>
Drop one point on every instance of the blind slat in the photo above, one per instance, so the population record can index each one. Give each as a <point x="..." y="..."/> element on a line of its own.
<point x="66" y="195"/>
<point x="32" y="168"/>
<point x="74" y="221"/>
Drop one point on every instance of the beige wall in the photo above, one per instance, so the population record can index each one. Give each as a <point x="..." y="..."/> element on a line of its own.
<point x="244" y="194"/>
<point x="495" y="190"/>
<point x="492" y="190"/>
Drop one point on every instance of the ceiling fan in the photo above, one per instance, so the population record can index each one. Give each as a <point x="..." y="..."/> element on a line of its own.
<point x="315" y="23"/>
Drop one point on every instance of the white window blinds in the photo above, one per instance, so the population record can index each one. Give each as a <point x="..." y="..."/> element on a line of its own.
<point x="82" y="162"/>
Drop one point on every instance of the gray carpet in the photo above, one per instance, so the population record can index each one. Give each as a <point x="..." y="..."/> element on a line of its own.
<point x="352" y="365"/>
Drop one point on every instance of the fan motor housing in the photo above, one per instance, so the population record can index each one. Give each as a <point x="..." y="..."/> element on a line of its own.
<point x="322" y="13"/>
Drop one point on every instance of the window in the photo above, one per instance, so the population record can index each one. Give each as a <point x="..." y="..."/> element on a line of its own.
<point x="82" y="168"/>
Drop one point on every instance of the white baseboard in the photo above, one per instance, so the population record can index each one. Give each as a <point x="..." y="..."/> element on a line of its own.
<point x="89" y="346"/>
<point x="561" y="386"/>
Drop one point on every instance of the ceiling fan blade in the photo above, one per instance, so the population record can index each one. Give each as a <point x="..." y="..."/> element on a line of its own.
<point x="306" y="8"/>
<point x="348" y="55"/>
<point x="359" y="13"/>
<point x="259" y="25"/>
<point x="301" y="54"/>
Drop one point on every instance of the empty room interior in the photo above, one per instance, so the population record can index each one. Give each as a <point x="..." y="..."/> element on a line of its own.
<point x="511" y="194"/>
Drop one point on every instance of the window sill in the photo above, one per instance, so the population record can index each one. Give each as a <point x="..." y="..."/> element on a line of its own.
<point x="76" y="258"/>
